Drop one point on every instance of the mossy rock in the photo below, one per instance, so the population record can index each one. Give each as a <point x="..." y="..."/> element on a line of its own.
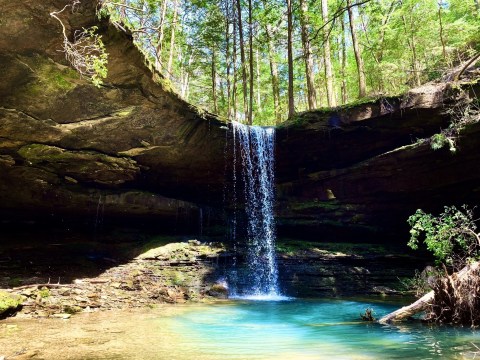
<point x="9" y="303"/>
<point x="219" y="290"/>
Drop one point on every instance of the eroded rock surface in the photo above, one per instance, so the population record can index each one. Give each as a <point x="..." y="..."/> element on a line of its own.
<point x="65" y="143"/>
<point x="361" y="171"/>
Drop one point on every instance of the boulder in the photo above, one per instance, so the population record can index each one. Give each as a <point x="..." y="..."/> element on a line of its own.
<point x="9" y="303"/>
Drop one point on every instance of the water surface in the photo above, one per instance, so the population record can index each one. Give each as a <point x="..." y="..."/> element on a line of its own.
<point x="327" y="329"/>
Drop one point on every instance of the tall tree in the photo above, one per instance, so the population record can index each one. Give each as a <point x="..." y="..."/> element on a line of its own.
<point x="161" y="35"/>
<point x="242" y="57"/>
<point x="409" y="29"/>
<point x="291" y="101"/>
<point x="250" y="42"/>
<point x="362" y="84"/>
<point x="259" y="104"/>
<point x="332" y="102"/>
<point x="214" y="82"/>
<point x="172" y="38"/>
<point x="234" y="62"/>
<point x="442" y="38"/>
<point x="307" y="55"/>
<point x="228" y="62"/>
<point x="273" y="74"/>
<point x="343" y="56"/>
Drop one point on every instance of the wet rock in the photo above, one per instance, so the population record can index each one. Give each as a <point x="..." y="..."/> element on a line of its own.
<point x="219" y="290"/>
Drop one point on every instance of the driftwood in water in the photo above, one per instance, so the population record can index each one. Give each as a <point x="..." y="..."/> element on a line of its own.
<point x="454" y="299"/>
<point x="410" y="310"/>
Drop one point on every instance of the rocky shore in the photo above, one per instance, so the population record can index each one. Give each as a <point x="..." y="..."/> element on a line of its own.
<point x="173" y="273"/>
<point x="194" y="271"/>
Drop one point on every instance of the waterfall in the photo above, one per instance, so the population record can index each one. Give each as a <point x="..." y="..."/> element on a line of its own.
<point x="256" y="154"/>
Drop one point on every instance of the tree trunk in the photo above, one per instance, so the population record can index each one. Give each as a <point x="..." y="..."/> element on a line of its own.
<point x="291" y="101"/>
<point x="344" y="64"/>
<point x="186" y="77"/>
<point x="362" y="86"/>
<point x="465" y="66"/>
<point x="234" y="61"/>
<point x="442" y="39"/>
<point x="307" y="56"/>
<point x="161" y="35"/>
<point x="227" y="57"/>
<point x="242" y="58"/>
<point x="172" y="39"/>
<point x="411" y="44"/>
<point x="381" y="44"/>
<point x="259" y="99"/>
<point x="410" y="310"/>
<point x="465" y="275"/>
<point x="273" y="75"/>
<point x="328" y="60"/>
<point x="123" y="11"/>
<point x="214" y="84"/>
<point x="250" y="41"/>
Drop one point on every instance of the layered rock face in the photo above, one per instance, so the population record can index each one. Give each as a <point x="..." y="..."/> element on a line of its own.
<point x="363" y="170"/>
<point x="66" y="147"/>
<point x="133" y="148"/>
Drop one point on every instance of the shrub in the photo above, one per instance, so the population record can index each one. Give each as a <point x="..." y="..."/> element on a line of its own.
<point x="451" y="236"/>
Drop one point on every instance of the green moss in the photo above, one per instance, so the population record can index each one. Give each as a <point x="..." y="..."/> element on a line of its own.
<point x="61" y="81"/>
<point x="79" y="162"/>
<point x="315" y="204"/>
<point x="49" y="77"/>
<point x="178" y="278"/>
<point x="296" y="247"/>
<point x="363" y="101"/>
<point x="125" y="112"/>
<point x="44" y="293"/>
<point x="9" y="302"/>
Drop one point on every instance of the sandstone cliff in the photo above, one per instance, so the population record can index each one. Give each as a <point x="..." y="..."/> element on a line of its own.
<point x="135" y="148"/>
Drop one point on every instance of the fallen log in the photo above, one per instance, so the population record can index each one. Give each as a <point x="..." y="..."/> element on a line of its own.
<point x="410" y="310"/>
<point x="456" y="281"/>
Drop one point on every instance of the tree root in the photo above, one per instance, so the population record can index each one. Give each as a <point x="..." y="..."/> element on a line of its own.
<point x="455" y="299"/>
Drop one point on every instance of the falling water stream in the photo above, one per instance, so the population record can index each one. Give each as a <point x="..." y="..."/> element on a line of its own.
<point x="256" y="152"/>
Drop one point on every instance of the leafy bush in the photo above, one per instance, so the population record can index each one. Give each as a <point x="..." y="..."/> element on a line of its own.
<point x="440" y="140"/>
<point x="451" y="236"/>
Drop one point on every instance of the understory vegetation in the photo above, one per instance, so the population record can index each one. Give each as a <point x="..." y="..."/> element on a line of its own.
<point x="261" y="61"/>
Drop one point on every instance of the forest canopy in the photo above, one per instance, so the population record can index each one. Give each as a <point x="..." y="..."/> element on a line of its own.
<point x="259" y="61"/>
